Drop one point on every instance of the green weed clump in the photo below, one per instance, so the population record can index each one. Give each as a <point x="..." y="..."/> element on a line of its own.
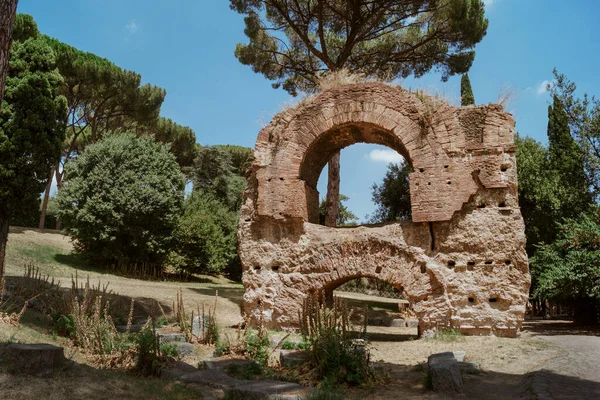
<point x="334" y="354"/>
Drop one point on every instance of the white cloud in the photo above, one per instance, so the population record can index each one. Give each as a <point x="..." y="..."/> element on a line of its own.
<point x="132" y="26"/>
<point x="386" y="156"/>
<point x="488" y="3"/>
<point x="543" y="87"/>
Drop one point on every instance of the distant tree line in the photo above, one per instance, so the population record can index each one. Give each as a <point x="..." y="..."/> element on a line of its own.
<point x="120" y="168"/>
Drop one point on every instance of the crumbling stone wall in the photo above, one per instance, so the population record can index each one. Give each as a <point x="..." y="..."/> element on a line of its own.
<point x="461" y="261"/>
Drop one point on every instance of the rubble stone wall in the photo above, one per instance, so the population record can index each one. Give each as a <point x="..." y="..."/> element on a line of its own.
<point x="461" y="261"/>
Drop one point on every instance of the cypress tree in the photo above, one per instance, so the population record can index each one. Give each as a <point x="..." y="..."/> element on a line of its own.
<point x="566" y="157"/>
<point x="466" y="93"/>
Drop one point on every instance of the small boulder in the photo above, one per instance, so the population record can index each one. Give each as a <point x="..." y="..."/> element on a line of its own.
<point x="171" y="337"/>
<point x="184" y="349"/>
<point x="445" y="373"/>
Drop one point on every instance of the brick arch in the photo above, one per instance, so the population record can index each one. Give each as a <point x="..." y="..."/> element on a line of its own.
<point x="463" y="199"/>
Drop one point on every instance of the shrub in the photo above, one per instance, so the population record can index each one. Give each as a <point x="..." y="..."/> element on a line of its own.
<point x="207" y="234"/>
<point x="333" y="353"/>
<point x="121" y="200"/>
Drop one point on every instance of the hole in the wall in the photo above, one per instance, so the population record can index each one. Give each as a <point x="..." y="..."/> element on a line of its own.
<point x="269" y="180"/>
<point x="449" y="182"/>
<point x="446" y="166"/>
<point x="504" y="168"/>
<point x="481" y="205"/>
<point x="493" y="300"/>
<point x="248" y="219"/>
<point x="423" y="269"/>
<point x="257" y="267"/>
<point x="417" y="184"/>
<point x="471" y="300"/>
<point x="421" y="169"/>
<point x="280" y="179"/>
<point x="378" y="270"/>
<point x="507" y="262"/>
<point x="471" y="265"/>
<point x="502" y="204"/>
<point x="275" y="268"/>
<point x="429" y="183"/>
<point x="488" y="262"/>
<point x="259" y="302"/>
<point x="451" y="264"/>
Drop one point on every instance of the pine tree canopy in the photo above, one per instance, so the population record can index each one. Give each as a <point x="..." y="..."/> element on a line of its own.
<point x="293" y="42"/>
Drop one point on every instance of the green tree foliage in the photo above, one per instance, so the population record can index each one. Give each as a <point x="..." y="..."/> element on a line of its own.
<point x="102" y="98"/>
<point x="241" y="157"/>
<point x="569" y="268"/>
<point x="344" y="217"/>
<point x="567" y="158"/>
<point x="206" y="235"/>
<point x="466" y="93"/>
<point x="121" y="201"/>
<point x="182" y="140"/>
<point x="293" y="42"/>
<point x="392" y="196"/>
<point x="32" y="126"/>
<point x="541" y="195"/>
<point x="214" y="172"/>
<point x="583" y="116"/>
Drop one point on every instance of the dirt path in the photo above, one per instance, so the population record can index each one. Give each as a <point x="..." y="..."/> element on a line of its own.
<point x="575" y="374"/>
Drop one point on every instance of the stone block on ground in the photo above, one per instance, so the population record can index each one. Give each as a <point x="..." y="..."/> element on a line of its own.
<point x="262" y="390"/>
<point x="225" y="363"/>
<point x="184" y="349"/>
<point x="133" y="328"/>
<point x="171" y="337"/>
<point x="178" y="370"/>
<point x="445" y="373"/>
<point x="289" y="358"/>
<point x="35" y="359"/>
<point x="199" y="325"/>
<point x="212" y="378"/>
<point x="397" y="323"/>
<point x="412" y="323"/>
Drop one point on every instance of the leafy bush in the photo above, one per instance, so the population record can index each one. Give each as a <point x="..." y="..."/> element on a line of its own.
<point x="121" y="201"/>
<point x="169" y="350"/>
<point x="569" y="268"/>
<point x="206" y="234"/>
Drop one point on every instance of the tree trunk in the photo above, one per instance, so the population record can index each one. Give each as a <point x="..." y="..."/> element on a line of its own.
<point x="8" y="11"/>
<point x="59" y="176"/>
<point x="3" y="241"/>
<point x="45" y="202"/>
<point x="333" y="190"/>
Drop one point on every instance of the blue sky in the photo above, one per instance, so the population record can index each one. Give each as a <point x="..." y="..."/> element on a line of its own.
<point x="186" y="47"/>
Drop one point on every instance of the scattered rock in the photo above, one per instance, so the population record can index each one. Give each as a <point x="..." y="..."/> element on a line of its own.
<point x="259" y="390"/>
<point x="445" y="373"/>
<point x="397" y="323"/>
<point x="224" y="363"/>
<point x="184" y="349"/>
<point x="289" y="358"/>
<point x="170" y="337"/>
<point x="133" y="328"/>
<point x="35" y="359"/>
<point x="214" y="384"/>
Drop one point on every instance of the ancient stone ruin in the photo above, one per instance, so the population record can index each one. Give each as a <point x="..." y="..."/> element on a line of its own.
<point x="461" y="261"/>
